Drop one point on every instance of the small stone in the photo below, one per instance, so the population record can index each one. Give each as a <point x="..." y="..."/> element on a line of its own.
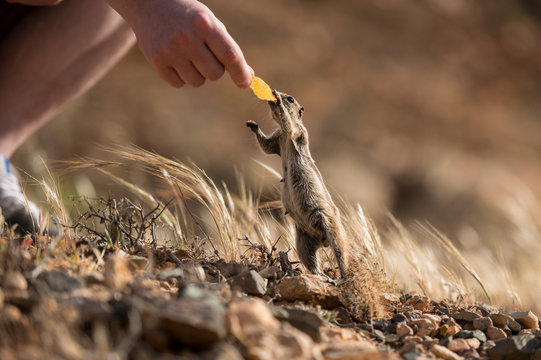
<point x="495" y="333"/>
<point x="269" y="272"/>
<point x="15" y="281"/>
<point x="378" y="335"/>
<point x="309" y="288"/>
<point x="515" y="347"/>
<point x="526" y="319"/>
<point x="304" y="320"/>
<point x="412" y="339"/>
<point x="250" y="282"/>
<point x="229" y="269"/>
<point x="468" y="334"/>
<point x="248" y="317"/>
<point x="449" y="329"/>
<point x="412" y="355"/>
<point x="403" y="330"/>
<point x="398" y="318"/>
<point x="444" y="353"/>
<point x="197" y="324"/>
<point x="420" y="303"/>
<point x="352" y="350"/>
<point x="61" y="281"/>
<point x="426" y="327"/>
<point x="530" y="331"/>
<point x="473" y="343"/>
<point x="384" y="325"/>
<point x="392" y="339"/>
<point x="465" y="316"/>
<point x="444" y="341"/>
<point x="457" y="345"/>
<point x="435" y="319"/>
<point x="482" y="323"/>
<point x="470" y="354"/>
<point x="391" y="299"/>
<point x="500" y="319"/>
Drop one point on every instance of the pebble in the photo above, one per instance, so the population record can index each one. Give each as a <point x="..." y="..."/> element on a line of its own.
<point x="482" y="323"/>
<point x="444" y="353"/>
<point x="435" y="319"/>
<point x="458" y="345"/>
<point x="398" y="318"/>
<point x="468" y="334"/>
<point x="466" y="316"/>
<point x="449" y="329"/>
<point x="403" y="330"/>
<point x="392" y="339"/>
<point x="250" y="282"/>
<point x="526" y="319"/>
<point x="495" y="333"/>
<point x="505" y="320"/>
<point x="309" y="288"/>
<point x="426" y="327"/>
<point x="516" y="347"/>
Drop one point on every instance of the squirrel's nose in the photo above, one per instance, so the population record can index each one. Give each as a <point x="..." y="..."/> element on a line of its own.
<point x="275" y="93"/>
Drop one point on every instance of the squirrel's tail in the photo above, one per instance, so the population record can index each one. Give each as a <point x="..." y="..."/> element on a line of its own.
<point x="362" y="289"/>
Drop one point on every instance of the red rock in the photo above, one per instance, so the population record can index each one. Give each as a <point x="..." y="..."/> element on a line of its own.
<point x="435" y="319"/>
<point x="449" y="329"/>
<point x="495" y="333"/>
<point x="426" y="327"/>
<point x="403" y="330"/>
<point x="246" y="317"/>
<point x="444" y="353"/>
<point x="526" y="319"/>
<point x="309" y="288"/>
<point x="457" y="345"/>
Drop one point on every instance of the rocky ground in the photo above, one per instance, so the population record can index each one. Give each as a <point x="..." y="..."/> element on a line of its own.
<point x="167" y="304"/>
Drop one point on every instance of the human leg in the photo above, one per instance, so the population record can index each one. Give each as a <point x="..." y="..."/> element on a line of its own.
<point x="49" y="58"/>
<point x="52" y="56"/>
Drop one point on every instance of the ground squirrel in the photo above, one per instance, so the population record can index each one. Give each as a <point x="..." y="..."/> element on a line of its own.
<point x="304" y="196"/>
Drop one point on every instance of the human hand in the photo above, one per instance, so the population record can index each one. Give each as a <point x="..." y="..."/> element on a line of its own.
<point x="184" y="42"/>
<point x="35" y="2"/>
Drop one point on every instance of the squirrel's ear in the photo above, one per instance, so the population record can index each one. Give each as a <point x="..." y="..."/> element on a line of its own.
<point x="301" y="110"/>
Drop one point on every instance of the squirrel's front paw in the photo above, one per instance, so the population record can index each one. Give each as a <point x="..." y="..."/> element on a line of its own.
<point x="252" y="125"/>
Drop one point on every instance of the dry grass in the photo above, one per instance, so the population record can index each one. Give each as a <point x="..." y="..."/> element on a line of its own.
<point x="414" y="260"/>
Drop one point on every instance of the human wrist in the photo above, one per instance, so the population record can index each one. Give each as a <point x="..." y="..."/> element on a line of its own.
<point x="127" y="9"/>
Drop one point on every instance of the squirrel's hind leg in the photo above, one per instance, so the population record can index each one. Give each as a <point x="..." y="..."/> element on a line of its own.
<point x="306" y="249"/>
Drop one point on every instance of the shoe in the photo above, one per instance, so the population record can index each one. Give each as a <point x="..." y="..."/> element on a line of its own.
<point x="16" y="208"/>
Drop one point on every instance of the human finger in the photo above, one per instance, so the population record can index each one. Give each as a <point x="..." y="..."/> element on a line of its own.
<point x="207" y="64"/>
<point x="170" y="76"/>
<point x="226" y="50"/>
<point x="189" y="74"/>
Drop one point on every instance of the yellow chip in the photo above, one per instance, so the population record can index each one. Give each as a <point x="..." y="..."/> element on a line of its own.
<point x="261" y="89"/>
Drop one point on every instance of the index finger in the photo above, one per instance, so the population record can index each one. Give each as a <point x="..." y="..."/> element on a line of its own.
<point x="230" y="55"/>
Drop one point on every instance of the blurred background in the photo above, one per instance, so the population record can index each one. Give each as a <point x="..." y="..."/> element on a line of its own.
<point x="430" y="110"/>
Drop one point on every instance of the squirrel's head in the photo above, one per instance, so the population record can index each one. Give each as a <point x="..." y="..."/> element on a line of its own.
<point x="286" y="111"/>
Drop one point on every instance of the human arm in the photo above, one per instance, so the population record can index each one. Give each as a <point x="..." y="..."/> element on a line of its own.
<point x="36" y="2"/>
<point x="183" y="41"/>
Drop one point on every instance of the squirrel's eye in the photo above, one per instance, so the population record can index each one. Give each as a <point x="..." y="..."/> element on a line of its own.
<point x="290" y="99"/>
